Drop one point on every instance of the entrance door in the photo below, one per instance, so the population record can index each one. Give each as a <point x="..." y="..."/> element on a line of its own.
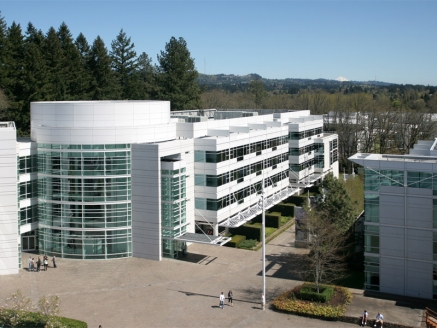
<point x="28" y="243"/>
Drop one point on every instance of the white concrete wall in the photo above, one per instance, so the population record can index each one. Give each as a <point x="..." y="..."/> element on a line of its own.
<point x="9" y="236"/>
<point x="101" y="122"/>
<point x="146" y="194"/>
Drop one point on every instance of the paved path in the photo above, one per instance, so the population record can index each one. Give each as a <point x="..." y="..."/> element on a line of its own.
<point x="174" y="293"/>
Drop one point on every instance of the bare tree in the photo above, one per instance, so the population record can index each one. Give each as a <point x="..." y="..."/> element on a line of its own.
<point x="412" y="126"/>
<point x="326" y="260"/>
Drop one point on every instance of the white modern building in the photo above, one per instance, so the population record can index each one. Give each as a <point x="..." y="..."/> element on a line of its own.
<point x="400" y="202"/>
<point x="111" y="179"/>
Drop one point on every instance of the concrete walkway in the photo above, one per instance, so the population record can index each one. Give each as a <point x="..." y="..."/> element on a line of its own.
<point x="185" y="293"/>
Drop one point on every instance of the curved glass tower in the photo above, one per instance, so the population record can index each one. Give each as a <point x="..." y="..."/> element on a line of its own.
<point x="84" y="199"/>
<point x="84" y="173"/>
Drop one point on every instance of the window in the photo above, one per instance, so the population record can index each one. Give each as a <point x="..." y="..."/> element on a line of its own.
<point x="371" y="272"/>
<point x="371" y="239"/>
<point x="419" y="180"/>
<point x="371" y="207"/>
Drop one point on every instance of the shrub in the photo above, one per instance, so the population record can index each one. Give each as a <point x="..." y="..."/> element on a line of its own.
<point x="37" y="320"/>
<point x="309" y="293"/>
<point x="273" y="219"/>
<point x="285" y="209"/>
<point x="235" y="241"/>
<point x="248" y="244"/>
<point x="251" y="231"/>
<point x="287" y="302"/>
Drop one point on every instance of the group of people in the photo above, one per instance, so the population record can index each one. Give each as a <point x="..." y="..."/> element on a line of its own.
<point x="36" y="265"/>
<point x="230" y="299"/>
<point x="379" y="319"/>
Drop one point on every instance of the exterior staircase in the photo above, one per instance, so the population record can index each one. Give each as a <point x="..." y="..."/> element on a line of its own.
<point x="431" y="318"/>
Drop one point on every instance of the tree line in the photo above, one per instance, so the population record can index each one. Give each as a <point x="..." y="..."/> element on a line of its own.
<point x="53" y="66"/>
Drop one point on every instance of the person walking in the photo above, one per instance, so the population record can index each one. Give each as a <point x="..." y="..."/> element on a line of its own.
<point x="30" y="263"/>
<point x="222" y="300"/>
<point x="263" y="302"/>
<point x="38" y="264"/>
<point x="364" y="318"/>
<point x="230" y="300"/>
<point x="33" y="264"/>
<point x="379" y="319"/>
<point x="46" y="262"/>
<point x="54" y="261"/>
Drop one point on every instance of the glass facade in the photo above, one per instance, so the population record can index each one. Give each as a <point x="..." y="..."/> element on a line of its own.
<point x="304" y="134"/>
<point x="84" y="201"/>
<point x="371" y="207"/>
<point x="374" y="179"/>
<point x="238" y="174"/>
<point x="239" y="195"/>
<point x="371" y="272"/>
<point x="371" y="235"/>
<point x="173" y="210"/>
<point x="27" y="164"/>
<point x="238" y="152"/>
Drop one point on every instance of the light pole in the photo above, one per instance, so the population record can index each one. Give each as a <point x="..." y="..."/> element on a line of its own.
<point x="263" y="244"/>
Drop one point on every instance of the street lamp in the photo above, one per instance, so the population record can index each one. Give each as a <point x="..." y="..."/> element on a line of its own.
<point x="263" y="231"/>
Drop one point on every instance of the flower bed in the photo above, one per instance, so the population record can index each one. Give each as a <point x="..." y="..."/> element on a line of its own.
<point x="330" y="310"/>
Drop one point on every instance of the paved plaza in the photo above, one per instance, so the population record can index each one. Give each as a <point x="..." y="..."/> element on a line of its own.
<point x="134" y="292"/>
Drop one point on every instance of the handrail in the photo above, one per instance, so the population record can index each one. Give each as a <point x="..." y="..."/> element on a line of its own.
<point x="430" y="315"/>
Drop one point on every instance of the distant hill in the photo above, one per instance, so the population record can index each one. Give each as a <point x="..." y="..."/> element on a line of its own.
<point x="233" y="82"/>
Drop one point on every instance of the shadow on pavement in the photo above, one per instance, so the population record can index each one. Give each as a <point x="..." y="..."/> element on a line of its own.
<point x="213" y="296"/>
<point x="286" y="266"/>
<point x="195" y="258"/>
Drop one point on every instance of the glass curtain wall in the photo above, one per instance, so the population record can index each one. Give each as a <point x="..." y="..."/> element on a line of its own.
<point x="84" y="201"/>
<point x="173" y="209"/>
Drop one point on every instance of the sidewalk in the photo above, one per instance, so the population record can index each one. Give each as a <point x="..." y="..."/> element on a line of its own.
<point x="134" y="292"/>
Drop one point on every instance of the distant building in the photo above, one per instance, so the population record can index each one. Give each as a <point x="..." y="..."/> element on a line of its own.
<point x="113" y="179"/>
<point x="400" y="226"/>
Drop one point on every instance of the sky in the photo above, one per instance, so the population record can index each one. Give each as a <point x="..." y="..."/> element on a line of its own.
<point x="392" y="41"/>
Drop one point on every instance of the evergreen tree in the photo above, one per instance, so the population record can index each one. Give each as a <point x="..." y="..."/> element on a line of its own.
<point x="14" y="77"/>
<point x="3" y="51"/>
<point x="337" y="206"/>
<point x="72" y="66"/>
<point x="84" y="51"/>
<point x="146" y="75"/>
<point x="35" y="70"/>
<point x="56" y="83"/>
<point x="177" y="76"/>
<point x="124" y="63"/>
<point x="103" y="84"/>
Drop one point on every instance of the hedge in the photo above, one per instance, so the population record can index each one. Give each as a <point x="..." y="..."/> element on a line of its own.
<point x="235" y="241"/>
<point x="37" y="320"/>
<point x="273" y="220"/>
<point x="285" y="209"/>
<point x="309" y="292"/>
<point x="298" y="200"/>
<point x="251" y="231"/>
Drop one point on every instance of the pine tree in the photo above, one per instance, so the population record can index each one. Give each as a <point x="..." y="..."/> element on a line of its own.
<point x="72" y="65"/>
<point x="56" y="83"/>
<point x="337" y="204"/>
<point x="103" y="84"/>
<point x="177" y="76"/>
<point x="3" y="51"/>
<point x="146" y="75"/>
<point x="35" y="69"/>
<point x="124" y="63"/>
<point x="84" y="50"/>
<point x="14" y="78"/>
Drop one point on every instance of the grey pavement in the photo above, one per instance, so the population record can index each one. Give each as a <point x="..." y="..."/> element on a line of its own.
<point x="135" y="292"/>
